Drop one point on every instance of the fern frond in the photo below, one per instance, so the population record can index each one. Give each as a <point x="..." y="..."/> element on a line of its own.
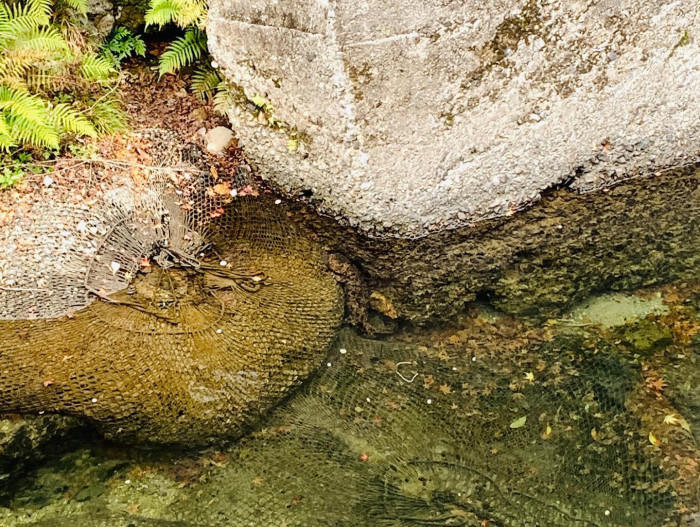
<point x="66" y="118"/>
<point x="223" y="99"/>
<point x="47" y="40"/>
<point x="180" y="12"/>
<point x="46" y="79"/>
<point x="107" y="116"/>
<point x="183" y="51"/>
<point x="162" y="12"/>
<point x="40" y="6"/>
<point x="6" y="139"/>
<point x="96" y="68"/>
<point x="21" y="103"/>
<point x="79" y="5"/>
<point x="17" y="18"/>
<point x="27" y="117"/>
<point x="205" y="81"/>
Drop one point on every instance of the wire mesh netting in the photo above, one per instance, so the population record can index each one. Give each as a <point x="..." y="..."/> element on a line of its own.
<point x="164" y="312"/>
<point x="538" y="431"/>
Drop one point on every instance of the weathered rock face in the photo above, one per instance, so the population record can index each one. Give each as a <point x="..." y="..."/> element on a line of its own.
<point x="536" y="263"/>
<point x="413" y="116"/>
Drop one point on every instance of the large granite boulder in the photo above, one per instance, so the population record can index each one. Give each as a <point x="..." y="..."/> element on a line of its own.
<point x="411" y="116"/>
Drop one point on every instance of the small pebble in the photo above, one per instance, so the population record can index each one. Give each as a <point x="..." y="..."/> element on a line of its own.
<point x="219" y="331"/>
<point x="278" y="201"/>
<point x="607" y="512"/>
<point x="343" y="351"/>
<point x="329" y="365"/>
<point x="94" y="399"/>
<point x="223" y="263"/>
<point x="429" y="401"/>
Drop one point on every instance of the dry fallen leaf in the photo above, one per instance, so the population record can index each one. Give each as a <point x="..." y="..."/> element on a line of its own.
<point x="223" y="189"/>
<point x="653" y="440"/>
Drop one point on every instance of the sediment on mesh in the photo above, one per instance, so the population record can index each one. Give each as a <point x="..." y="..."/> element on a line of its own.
<point x="147" y="317"/>
<point x="456" y="440"/>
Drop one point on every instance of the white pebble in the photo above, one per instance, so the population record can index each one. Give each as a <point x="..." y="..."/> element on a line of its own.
<point x="607" y="512"/>
<point x="368" y="400"/>
<point x="429" y="401"/>
<point x="223" y="263"/>
<point x="329" y="365"/>
<point x="128" y="482"/>
<point x="219" y="331"/>
<point x="94" y="399"/>
<point x="278" y="201"/>
<point x="473" y="359"/>
<point x="343" y="351"/>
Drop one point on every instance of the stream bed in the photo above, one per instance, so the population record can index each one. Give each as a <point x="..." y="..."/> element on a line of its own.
<point x="589" y="419"/>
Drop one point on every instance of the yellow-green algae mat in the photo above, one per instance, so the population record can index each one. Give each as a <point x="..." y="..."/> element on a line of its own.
<point x="491" y="422"/>
<point x="163" y="313"/>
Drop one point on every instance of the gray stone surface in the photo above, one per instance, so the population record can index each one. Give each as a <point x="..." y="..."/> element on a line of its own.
<point x="418" y="115"/>
<point x="218" y="139"/>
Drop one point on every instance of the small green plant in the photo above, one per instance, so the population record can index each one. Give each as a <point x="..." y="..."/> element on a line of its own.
<point x="120" y="45"/>
<point x="189" y="49"/>
<point x="50" y="88"/>
<point x="15" y="167"/>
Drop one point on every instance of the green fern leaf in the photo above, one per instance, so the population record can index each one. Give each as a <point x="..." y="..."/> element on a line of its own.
<point x="223" y="99"/>
<point x="181" y="12"/>
<point x="17" y="18"/>
<point x="205" y="81"/>
<point x="107" y="116"/>
<point x="6" y="139"/>
<point x="183" y="51"/>
<point x="64" y="117"/>
<point x="79" y="5"/>
<point x="96" y="68"/>
<point x="27" y="118"/>
<point x="47" y="40"/>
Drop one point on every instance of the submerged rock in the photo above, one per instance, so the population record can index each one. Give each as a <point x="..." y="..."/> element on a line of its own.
<point x="28" y="440"/>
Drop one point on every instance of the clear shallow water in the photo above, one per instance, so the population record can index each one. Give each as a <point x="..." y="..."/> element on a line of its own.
<point x="589" y="420"/>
